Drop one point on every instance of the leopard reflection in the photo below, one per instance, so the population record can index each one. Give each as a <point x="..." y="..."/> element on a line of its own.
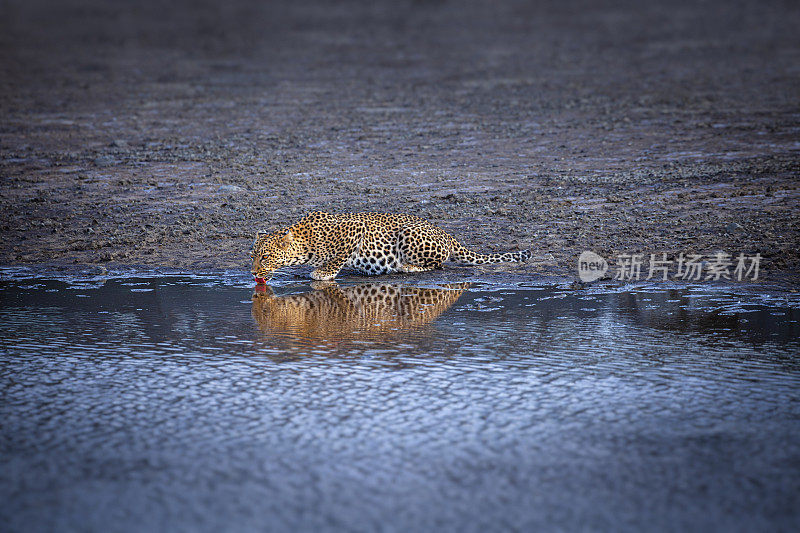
<point x="371" y="311"/>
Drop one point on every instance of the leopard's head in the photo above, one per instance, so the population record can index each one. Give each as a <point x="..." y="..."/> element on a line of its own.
<point x="270" y="252"/>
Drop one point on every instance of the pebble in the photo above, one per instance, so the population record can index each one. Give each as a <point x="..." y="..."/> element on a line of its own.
<point x="105" y="161"/>
<point x="733" y="226"/>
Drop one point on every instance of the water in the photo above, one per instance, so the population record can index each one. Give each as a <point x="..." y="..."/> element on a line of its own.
<point x="189" y="403"/>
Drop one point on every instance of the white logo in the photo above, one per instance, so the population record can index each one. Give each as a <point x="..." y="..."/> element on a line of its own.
<point x="591" y="266"/>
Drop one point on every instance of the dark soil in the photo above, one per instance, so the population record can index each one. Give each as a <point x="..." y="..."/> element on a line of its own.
<point x="166" y="134"/>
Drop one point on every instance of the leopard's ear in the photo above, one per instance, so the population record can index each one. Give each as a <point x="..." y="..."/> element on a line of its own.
<point x="287" y="239"/>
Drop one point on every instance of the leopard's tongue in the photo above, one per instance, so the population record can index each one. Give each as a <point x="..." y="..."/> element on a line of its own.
<point x="261" y="281"/>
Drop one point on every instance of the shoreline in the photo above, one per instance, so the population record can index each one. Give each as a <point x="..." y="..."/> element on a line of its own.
<point x="297" y="277"/>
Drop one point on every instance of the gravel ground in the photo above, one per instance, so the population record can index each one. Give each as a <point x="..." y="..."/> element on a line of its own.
<point x="166" y="135"/>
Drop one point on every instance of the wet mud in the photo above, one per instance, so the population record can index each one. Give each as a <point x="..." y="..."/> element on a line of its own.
<point x="166" y="135"/>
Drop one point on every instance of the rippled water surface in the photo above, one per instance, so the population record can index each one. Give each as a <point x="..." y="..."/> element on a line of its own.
<point x="191" y="403"/>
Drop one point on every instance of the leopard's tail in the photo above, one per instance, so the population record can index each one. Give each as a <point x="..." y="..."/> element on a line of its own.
<point x="459" y="254"/>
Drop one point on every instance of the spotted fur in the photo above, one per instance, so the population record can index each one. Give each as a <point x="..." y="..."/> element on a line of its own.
<point x="371" y="243"/>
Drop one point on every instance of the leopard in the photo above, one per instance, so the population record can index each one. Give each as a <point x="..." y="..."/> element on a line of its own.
<point x="364" y="311"/>
<point x="369" y="243"/>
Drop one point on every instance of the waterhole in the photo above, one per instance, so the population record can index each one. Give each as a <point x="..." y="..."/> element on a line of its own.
<point x="196" y="403"/>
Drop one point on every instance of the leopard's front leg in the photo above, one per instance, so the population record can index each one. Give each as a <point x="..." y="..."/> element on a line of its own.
<point x="330" y="269"/>
<point x="336" y="246"/>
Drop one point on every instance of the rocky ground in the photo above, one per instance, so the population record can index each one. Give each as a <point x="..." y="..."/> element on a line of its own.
<point x="166" y="135"/>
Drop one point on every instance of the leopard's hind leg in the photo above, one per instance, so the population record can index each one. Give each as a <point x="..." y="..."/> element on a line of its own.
<point x="421" y="247"/>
